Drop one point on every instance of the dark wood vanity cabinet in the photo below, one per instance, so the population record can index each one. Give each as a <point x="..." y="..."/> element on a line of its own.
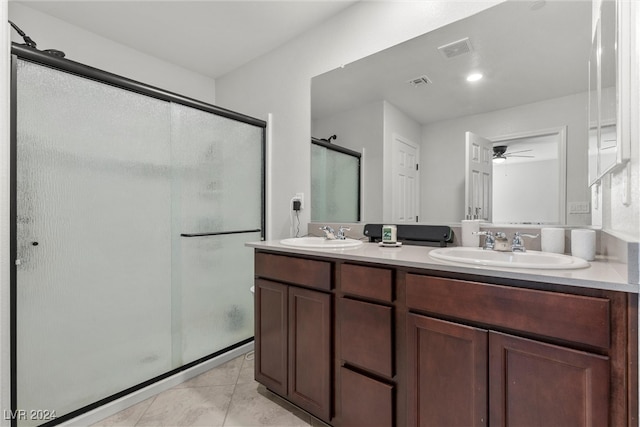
<point x="360" y="344"/>
<point x="293" y="330"/>
<point x="481" y="354"/>
<point x="527" y="382"/>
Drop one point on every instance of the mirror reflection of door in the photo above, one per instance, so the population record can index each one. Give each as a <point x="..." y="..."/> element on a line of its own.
<point x="530" y="171"/>
<point x="478" y="182"/>
<point x="405" y="180"/>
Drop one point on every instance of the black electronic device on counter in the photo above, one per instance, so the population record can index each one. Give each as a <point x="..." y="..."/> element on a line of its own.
<point x="414" y="234"/>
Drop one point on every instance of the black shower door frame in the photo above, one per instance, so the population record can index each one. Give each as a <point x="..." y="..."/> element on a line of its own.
<point x="23" y="52"/>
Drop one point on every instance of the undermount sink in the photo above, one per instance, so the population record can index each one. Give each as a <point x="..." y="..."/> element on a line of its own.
<point x="489" y="258"/>
<point x="320" y="243"/>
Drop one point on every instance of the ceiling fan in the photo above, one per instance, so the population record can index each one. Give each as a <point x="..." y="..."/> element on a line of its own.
<point x="500" y="153"/>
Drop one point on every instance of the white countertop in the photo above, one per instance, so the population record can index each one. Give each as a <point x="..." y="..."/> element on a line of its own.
<point x="601" y="274"/>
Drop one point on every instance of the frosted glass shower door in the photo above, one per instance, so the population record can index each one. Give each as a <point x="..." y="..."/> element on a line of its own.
<point x="93" y="284"/>
<point x="217" y="207"/>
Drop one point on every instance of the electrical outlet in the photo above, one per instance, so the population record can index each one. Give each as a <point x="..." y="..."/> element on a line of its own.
<point x="300" y="196"/>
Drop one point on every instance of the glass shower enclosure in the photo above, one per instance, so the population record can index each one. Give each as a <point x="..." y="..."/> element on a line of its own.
<point x="130" y="210"/>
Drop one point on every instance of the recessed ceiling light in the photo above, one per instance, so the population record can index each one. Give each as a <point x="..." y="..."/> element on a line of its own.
<point x="474" y="77"/>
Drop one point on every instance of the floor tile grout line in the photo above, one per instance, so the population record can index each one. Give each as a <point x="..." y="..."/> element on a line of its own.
<point x="145" y="410"/>
<point x="226" y="413"/>
<point x="235" y="386"/>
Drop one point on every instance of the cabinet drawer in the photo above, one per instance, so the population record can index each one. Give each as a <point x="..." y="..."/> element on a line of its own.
<point x="364" y="401"/>
<point x="306" y="272"/>
<point x="368" y="282"/>
<point x="575" y="318"/>
<point x="366" y="336"/>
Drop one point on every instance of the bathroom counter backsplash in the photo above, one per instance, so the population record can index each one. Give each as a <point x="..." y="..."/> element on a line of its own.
<point x="603" y="273"/>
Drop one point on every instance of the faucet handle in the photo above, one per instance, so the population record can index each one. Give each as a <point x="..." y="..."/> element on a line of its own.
<point x="533" y="236"/>
<point x="519" y="234"/>
<point x="518" y="243"/>
<point x="341" y="231"/>
<point x="329" y="233"/>
<point x="489" y="239"/>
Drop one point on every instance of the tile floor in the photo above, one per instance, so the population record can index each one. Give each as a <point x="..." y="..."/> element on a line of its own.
<point x="223" y="396"/>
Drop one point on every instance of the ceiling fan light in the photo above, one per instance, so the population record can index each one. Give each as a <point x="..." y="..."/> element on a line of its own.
<point x="499" y="159"/>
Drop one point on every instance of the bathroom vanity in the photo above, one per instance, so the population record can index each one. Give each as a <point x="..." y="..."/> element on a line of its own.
<point x="391" y="337"/>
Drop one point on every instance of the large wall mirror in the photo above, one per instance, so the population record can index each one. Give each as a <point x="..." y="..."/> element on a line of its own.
<point x="533" y="57"/>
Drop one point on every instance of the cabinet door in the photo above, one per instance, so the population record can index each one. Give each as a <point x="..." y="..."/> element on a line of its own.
<point x="310" y="350"/>
<point x="447" y="373"/>
<point x="538" y="384"/>
<point x="271" y="335"/>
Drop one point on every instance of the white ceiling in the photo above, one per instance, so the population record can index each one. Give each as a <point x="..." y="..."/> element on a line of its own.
<point x="526" y="55"/>
<point x="210" y="37"/>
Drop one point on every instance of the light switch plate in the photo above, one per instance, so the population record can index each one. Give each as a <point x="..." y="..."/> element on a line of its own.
<point x="579" y="208"/>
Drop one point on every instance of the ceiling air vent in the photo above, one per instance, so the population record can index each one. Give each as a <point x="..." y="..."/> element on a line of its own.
<point x="419" y="81"/>
<point x="457" y="48"/>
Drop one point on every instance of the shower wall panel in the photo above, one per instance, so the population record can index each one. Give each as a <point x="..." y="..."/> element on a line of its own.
<point x="216" y="190"/>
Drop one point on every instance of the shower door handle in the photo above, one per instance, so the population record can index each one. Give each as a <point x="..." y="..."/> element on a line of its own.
<point x="219" y="233"/>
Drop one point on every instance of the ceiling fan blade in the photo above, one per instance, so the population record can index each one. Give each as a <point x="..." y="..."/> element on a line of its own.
<point x="520" y="151"/>
<point x="511" y="155"/>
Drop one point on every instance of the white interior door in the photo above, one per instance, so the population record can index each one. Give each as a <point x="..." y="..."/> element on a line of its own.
<point x="478" y="179"/>
<point x="405" y="180"/>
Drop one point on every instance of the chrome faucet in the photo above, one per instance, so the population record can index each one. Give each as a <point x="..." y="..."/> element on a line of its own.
<point x="517" y="244"/>
<point x="329" y="233"/>
<point x="489" y="239"/>
<point x="341" y="235"/>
